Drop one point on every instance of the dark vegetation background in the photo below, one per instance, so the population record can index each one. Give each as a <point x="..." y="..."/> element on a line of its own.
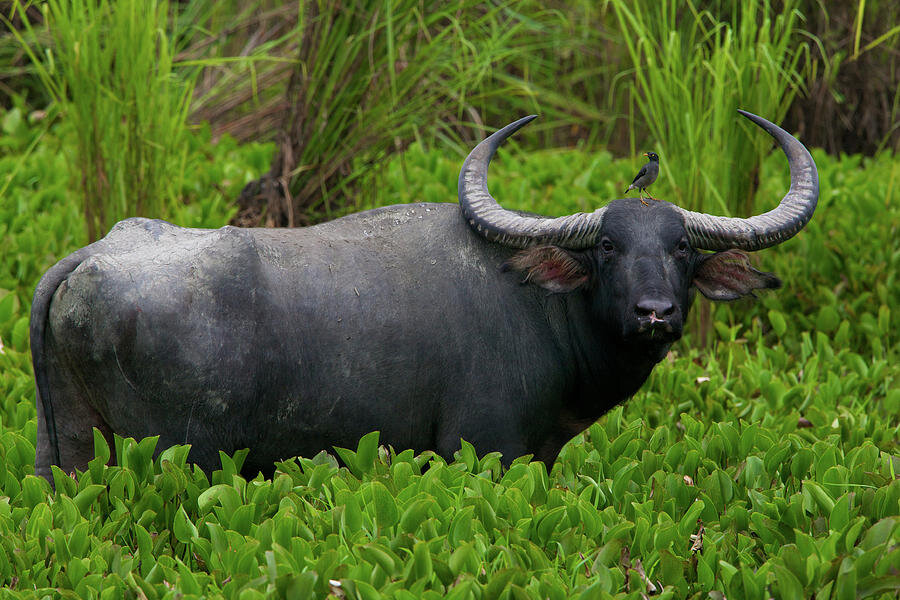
<point x="341" y="86"/>
<point x="759" y="461"/>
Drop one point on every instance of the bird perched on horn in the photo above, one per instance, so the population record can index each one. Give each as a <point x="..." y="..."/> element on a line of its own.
<point x="645" y="176"/>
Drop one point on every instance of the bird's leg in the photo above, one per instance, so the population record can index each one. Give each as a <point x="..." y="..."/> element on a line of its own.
<point x="642" y="197"/>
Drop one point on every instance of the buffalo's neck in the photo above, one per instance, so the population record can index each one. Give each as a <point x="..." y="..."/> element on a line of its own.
<point x="608" y="369"/>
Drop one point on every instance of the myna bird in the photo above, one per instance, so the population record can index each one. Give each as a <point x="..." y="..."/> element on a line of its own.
<point x="645" y="176"/>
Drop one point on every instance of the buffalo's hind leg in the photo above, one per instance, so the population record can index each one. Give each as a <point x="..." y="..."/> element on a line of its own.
<point x="75" y="421"/>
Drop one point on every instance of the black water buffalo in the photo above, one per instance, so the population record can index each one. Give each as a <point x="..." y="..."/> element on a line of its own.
<point x="428" y="322"/>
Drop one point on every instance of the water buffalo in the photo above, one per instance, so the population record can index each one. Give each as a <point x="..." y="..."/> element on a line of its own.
<point x="428" y="322"/>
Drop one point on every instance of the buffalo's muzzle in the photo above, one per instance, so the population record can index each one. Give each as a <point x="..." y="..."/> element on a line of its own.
<point x="654" y="315"/>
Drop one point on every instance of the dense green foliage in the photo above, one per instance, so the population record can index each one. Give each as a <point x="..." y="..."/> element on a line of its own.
<point x="763" y="464"/>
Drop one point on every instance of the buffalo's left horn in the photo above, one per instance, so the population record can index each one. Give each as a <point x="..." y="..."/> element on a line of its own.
<point x="510" y="228"/>
<point x="709" y="232"/>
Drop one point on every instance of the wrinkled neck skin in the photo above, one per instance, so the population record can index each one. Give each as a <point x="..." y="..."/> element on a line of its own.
<point x="608" y="369"/>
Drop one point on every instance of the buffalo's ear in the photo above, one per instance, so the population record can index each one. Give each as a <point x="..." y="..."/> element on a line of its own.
<point x="728" y="276"/>
<point x="550" y="267"/>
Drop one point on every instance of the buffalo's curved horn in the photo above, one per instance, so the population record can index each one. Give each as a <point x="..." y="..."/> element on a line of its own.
<point x="510" y="228"/>
<point x="709" y="232"/>
<point x="581" y="230"/>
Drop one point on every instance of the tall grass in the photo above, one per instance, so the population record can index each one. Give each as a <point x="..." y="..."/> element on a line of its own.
<point x="370" y="77"/>
<point x="110" y="67"/>
<point x="691" y="70"/>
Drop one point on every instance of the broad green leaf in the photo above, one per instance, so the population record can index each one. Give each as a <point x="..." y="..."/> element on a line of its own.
<point x="242" y="519"/>
<point x="421" y="563"/>
<point x="87" y="496"/>
<point x="213" y="495"/>
<point x="788" y="586"/>
<point x="367" y="452"/>
<point x="20" y="334"/>
<point x="34" y="490"/>
<point x="101" y="448"/>
<point x="688" y="523"/>
<point x="380" y="556"/>
<point x="385" y="508"/>
<point x="183" y="528"/>
<point x="414" y="514"/>
<point x="187" y="581"/>
<point x="461" y="526"/>
<point x="879" y="533"/>
<point x="840" y="514"/>
<point x="819" y="496"/>
<point x="779" y="325"/>
<point x="845" y="587"/>
<point x="827" y="319"/>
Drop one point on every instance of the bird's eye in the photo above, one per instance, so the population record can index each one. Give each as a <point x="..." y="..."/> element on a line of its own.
<point x="606" y="245"/>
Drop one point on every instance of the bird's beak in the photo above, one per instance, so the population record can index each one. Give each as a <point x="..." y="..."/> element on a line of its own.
<point x="646" y="154"/>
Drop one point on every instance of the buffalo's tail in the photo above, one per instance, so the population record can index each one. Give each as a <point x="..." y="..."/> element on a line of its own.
<point x="40" y="314"/>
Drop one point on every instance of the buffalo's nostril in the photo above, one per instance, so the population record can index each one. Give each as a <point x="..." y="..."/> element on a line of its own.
<point x="651" y="306"/>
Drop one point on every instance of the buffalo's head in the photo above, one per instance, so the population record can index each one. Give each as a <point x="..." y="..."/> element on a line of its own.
<point x="641" y="263"/>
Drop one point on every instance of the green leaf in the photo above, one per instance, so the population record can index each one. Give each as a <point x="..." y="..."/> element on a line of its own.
<point x="801" y="461"/>
<point x="688" y="523"/>
<point x="386" y="514"/>
<point x="498" y="583"/>
<point x="351" y="516"/>
<point x="421" y="564"/>
<point x="819" y="496"/>
<point x="367" y="452"/>
<point x="879" y="533"/>
<point x="365" y="591"/>
<point x="845" y="587"/>
<point x="547" y="523"/>
<point x="77" y="568"/>
<point x="87" y="496"/>
<point x="349" y="458"/>
<point x="719" y="487"/>
<point x="380" y="556"/>
<point x="20" y="334"/>
<point x="467" y="455"/>
<point x="187" y="581"/>
<point x="840" y="514"/>
<point x="101" y="447"/>
<point x="461" y="525"/>
<point x="301" y="585"/>
<point x="213" y="495"/>
<point x="414" y="514"/>
<point x="9" y="305"/>
<point x="828" y="319"/>
<point x="183" y="528"/>
<point x="34" y="490"/>
<point x="787" y="585"/>
<point x="779" y="326"/>
<point x="242" y="519"/>
<point x="97" y="465"/>
<point x="463" y="559"/>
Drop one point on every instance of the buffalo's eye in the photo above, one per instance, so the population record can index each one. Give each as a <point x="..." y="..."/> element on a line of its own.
<point x="607" y="246"/>
<point x="682" y="247"/>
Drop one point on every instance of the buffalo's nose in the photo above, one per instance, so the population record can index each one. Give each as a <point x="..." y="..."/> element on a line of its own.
<point x="654" y="306"/>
